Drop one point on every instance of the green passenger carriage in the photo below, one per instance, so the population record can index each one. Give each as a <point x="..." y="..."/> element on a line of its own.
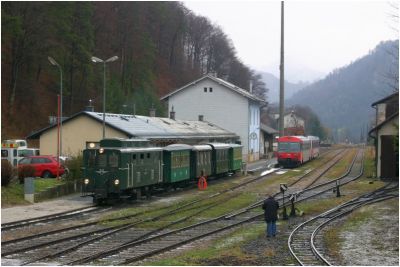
<point x="220" y="158"/>
<point x="235" y="157"/>
<point x="201" y="161"/>
<point x="176" y="163"/>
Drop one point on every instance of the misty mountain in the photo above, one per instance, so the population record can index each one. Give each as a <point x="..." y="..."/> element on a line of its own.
<point x="343" y="99"/>
<point x="272" y="83"/>
<point x="296" y="72"/>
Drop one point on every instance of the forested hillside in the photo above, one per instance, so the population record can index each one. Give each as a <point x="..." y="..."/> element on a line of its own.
<point x="160" y="45"/>
<point x="272" y="83"/>
<point x="343" y="99"/>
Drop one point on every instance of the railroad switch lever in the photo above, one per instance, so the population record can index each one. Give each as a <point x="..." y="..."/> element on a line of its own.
<point x="337" y="189"/>
<point x="293" y="209"/>
<point x="284" y="214"/>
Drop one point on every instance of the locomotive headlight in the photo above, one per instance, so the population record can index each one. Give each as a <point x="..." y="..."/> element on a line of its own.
<point x="101" y="150"/>
<point x="116" y="182"/>
<point x="86" y="181"/>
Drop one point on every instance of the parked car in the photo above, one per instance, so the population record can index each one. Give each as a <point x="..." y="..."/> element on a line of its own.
<point x="45" y="166"/>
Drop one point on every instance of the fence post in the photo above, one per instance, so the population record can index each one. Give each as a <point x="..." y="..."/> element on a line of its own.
<point x="29" y="189"/>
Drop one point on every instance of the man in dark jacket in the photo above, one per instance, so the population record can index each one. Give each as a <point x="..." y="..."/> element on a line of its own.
<point x="270" y="207"/>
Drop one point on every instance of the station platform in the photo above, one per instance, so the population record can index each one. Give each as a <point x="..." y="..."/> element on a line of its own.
<point x="66" y="203"/>
<point x="261" y="164"/>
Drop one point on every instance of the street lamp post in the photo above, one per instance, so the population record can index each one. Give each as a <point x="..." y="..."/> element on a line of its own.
<point x="98" y="60"/>
<point x="54" y="63"/>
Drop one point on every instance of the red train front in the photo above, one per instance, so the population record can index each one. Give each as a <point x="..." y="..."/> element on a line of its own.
<point x="296" y="150"/>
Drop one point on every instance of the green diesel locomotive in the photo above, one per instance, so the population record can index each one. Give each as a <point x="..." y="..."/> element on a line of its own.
<point x="131" y="167"/>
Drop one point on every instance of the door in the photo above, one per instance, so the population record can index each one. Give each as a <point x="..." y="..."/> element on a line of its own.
<point x="389" y="157"/>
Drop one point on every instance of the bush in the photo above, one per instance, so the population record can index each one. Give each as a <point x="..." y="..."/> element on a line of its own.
<point x="74" y="166"/>
<point x="6" y="172"/>
<point x="25" y="171"/>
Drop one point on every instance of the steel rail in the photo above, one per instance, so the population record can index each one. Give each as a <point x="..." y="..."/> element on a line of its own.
<point x="61" y="215"/>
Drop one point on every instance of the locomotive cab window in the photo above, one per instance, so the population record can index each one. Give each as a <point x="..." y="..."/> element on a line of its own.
<point x="113" y="160"/>
<point x="288" y="146"/>
<point x="101" y="160"/>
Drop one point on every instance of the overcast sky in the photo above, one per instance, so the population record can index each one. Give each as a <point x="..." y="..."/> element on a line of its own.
<point x="319" y="36"/>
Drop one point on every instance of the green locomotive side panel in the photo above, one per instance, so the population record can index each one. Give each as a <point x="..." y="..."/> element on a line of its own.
<point x="141" y="169"/>
<point x="176" y="166"/>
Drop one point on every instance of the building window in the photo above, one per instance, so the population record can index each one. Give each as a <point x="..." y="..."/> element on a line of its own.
<point x="211" y="89"/>
<point x="205" y="89"/>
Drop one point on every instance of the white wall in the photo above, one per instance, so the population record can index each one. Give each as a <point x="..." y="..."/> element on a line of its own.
<point x="223" y="107"/>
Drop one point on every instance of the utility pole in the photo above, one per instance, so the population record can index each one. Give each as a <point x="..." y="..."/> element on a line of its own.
<point x="282" y="79"/>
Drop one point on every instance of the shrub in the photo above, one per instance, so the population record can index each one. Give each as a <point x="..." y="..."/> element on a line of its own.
<point x="74" y="166"/>
<point x="6" y="172"/>
<point x="25" y="171"/>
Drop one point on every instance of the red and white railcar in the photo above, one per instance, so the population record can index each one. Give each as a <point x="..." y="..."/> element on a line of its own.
<point x="296" y="150"/>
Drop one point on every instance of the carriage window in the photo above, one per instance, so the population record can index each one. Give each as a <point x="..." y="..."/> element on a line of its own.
<point x="148" y="155"/>
<point x="141" y="156"/>
<point x="113" y="160"/>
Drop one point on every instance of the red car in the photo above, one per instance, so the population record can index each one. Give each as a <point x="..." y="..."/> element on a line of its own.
<point x="45" y="166"/>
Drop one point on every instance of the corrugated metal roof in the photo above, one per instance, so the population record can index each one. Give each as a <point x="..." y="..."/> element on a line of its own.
<point x="157" y="127"/>
<point x="229" y="85"/>
<point x="151" y="127"/>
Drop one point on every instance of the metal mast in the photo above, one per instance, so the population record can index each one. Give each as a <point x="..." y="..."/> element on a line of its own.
<point x="282" y="79"/>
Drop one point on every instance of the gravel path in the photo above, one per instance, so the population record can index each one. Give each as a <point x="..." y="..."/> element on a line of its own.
<point x="374" y="240"/>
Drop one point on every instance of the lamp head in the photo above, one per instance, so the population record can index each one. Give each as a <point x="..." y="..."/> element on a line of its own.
<point x="52" y="61"/>
<point x="97" y="60"/>
<point x="111" y="59"/>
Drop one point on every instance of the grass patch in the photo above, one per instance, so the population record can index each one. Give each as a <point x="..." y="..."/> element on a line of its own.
<point x="228" y="246"/>
<point x="13" y="194"/>
<point x="341" y="167"/>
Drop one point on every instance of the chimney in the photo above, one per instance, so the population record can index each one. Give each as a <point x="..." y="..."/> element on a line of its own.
<point x="251" y="87"/>
<point x="152" y="111"/>
<point x="89" y="108"/>
<point x="201" y="117"/>
<point x="172" y="114"/>
<point x="213" y="74"/>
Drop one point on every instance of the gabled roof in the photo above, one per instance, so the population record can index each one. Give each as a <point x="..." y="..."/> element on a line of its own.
<point x="385" y="99"/>
<point x="151" y="127"/>
<point x="380" y="125"/>
<point x="267" y="129"/>
<point x="228" y="85"/>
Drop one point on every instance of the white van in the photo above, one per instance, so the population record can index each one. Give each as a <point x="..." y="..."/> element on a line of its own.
<point x="14" y="150"/>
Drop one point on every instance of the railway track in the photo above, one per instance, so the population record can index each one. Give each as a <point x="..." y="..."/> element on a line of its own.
<point x="49" y="218"/>
<point x="66" y="239"/>
<point x="141" y="249"/>
<point x="302" y="241"/>
<point x="123" y="236"/>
